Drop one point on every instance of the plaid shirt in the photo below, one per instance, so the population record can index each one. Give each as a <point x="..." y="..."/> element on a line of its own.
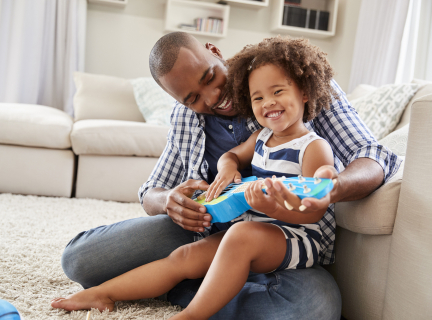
<point x="340" y="125"/>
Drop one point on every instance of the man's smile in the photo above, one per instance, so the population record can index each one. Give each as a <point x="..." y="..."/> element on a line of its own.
<point x="224" y="105"/>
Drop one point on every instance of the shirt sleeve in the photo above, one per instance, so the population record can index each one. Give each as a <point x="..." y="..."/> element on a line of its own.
<point x="169" y="169"/>
<point x="350" y="138"/>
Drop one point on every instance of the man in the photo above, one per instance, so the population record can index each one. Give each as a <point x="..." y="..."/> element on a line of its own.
<point x="204" y="126"/>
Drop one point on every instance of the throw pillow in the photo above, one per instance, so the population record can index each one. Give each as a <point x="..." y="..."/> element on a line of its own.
<point x="382" y="109"/>
<point x="397" y="141"/>
<point x="153" y="102"/>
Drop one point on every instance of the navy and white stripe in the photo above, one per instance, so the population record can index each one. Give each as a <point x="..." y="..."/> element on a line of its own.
<point x="350" y="139"/>
<point x="303" y="240"/>
<point x="283" y="160"/>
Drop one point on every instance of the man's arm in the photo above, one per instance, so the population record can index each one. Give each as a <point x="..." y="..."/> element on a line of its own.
<point x="156" y="203"/>
<point x="163" y="193"/>
<point x="357" y="181"/>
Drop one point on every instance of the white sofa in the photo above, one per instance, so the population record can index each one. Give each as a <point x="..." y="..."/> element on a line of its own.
<point x="116" y="149"/>
<point x="106" y="152"/>
<point x="383" y="242"/>
<point x="383" y="251"/>
<point x="35" y="151"/>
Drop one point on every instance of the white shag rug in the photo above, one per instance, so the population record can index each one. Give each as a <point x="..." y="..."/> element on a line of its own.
<point x="33" y="233"/>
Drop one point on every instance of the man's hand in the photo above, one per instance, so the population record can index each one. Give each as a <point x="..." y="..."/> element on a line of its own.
<point x="185" y="212"/>
<point x="285" y="198"/>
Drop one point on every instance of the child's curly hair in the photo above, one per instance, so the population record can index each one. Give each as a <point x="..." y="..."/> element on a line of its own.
<point x="304" y="63"/>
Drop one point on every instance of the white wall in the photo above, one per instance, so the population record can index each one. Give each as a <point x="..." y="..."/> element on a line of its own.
<point x="119" y="40"/>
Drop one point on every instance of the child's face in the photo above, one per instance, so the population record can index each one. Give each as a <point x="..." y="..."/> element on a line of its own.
<point x="277" y="102"/>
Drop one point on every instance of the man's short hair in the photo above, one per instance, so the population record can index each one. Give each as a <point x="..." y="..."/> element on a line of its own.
<point x="165" y="53"/>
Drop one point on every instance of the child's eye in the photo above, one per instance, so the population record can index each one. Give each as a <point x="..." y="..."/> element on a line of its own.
<point x="257" y="98"/>
<point x="278" y="91"/>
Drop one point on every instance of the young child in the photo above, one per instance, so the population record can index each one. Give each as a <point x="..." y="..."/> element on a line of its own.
<point x="283" y="82"/>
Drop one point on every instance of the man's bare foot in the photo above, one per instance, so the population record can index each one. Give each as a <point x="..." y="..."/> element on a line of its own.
<point x="84" y="300"/>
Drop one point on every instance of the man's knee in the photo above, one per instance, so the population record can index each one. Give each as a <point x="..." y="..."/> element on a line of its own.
<point x="73" y="264"/>
<point x="316" y="286"/>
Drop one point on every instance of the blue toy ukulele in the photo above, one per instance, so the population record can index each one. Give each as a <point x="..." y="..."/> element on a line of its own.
<point x="231" y="203"/>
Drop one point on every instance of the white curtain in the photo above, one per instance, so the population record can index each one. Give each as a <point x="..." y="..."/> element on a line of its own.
<point x="407" y="55"/>
<point x="41" y="44"/>
<point x="378" y="40"/>
<point x="423" y="63"/>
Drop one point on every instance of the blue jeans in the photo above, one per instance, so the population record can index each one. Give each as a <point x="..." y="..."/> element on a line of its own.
<point x="102" y="253"/>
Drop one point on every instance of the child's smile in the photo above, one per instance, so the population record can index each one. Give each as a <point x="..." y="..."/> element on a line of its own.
<point x="277" y="102"/>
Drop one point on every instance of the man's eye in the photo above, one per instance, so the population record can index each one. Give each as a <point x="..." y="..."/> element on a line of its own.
<point x="195" y="100"/>
<point x="211" y="78"/>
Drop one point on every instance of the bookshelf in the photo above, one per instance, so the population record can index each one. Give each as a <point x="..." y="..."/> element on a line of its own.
<point x="249" y="4"/>
<point x="112" y="3"/>
<point x="277" y="17"/>
<point x="180" y="12"/>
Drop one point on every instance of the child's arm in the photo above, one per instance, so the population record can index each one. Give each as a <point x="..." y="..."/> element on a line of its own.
<point x="229" y="165"/>
<point x="317" y="154"/>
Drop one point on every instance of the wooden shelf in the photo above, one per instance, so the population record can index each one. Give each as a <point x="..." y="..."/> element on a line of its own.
<point x="112" y="3"/>
<point x="327" y="5"/>
<point x="185" y="12"/>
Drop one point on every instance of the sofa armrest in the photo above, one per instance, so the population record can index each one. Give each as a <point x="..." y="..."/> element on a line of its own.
<point x="375" y="214"/>
<point x="409" y="289"/>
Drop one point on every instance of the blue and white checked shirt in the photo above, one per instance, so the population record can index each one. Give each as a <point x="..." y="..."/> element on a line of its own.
<point x="350" y="139"/>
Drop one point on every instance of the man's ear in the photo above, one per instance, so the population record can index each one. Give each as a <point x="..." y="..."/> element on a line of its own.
<point x="213" y="49"/>
<point x="305" y="98"/>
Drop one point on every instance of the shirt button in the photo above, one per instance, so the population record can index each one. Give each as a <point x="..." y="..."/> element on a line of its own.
<point x="195" y="168"/>
<point x="230" y="126"/>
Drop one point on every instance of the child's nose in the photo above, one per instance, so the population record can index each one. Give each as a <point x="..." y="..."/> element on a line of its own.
<point x="269" y="103"/>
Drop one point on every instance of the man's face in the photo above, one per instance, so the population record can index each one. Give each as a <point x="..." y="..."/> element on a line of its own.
<point x="198" y="80"/>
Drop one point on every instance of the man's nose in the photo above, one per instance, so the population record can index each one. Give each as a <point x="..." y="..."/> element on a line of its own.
<point x="212" y="96"/>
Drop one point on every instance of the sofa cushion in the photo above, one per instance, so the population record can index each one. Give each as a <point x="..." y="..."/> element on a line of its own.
<point x="153" y="102"/>
<point x="360" y="91"/>
<point x="424" y="90"/>
<point x="34" y="126"/>
<point x="397" y="141"/>
<point x="104" y="97"/>
<point x="115" y="137"/>
<point x="374" y="214"/>
<point x="381" y="110"/>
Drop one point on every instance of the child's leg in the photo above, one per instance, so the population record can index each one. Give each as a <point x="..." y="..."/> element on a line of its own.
<point x="151" y="280"/>
<point x="246" y="246"/>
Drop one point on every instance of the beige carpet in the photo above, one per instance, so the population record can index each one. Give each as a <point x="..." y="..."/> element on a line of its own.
<point x="33" y="233"/>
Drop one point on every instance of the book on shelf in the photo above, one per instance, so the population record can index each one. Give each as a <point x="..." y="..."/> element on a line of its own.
<point x="296" y="16"/>
<point x="210" y="24"/>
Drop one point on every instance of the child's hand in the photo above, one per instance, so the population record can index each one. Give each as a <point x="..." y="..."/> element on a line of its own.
<point x="221" y="181"/>
<point x="258" y="200"/>
<point x="279" y="192"/>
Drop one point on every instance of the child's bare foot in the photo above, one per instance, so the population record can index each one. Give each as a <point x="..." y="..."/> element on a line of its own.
<point x="84" y="300"/>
